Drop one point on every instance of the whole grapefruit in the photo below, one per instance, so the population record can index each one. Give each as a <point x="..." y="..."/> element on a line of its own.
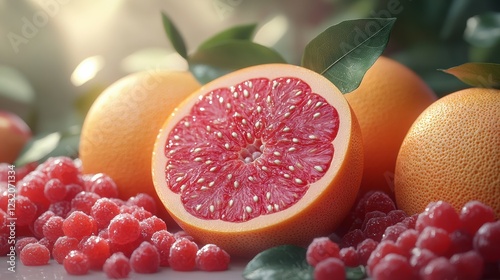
<point x="387" y="102"/>
<point x="14" y="134"/>
<point x="452" y="153"/>
<point x="264" y="156"/>
<point x="121" y="126"/>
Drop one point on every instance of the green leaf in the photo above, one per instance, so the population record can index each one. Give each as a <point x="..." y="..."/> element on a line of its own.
<point x="174" y="36"/>
<point x="241" y="32"/>
<point x="219" y="59"/>
<point x="355" y="273"/>
<point x="41" y="147"/>
<point x="344" y="52"/>
<point x="477" y="74"/>
<point x="282" y="262"/>
<point x="483" y="30"/>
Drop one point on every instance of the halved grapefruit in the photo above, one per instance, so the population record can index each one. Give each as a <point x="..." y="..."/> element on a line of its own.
<point x="264" y="156"/>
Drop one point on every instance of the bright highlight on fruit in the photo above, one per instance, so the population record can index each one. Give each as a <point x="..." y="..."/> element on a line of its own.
<point x="264" y="156"/>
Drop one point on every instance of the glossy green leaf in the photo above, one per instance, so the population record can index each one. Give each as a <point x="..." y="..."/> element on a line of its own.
<point x="282" y="262"/>
<point x="355" y="273"/>
<point x="483" y="30"/>
<point x="477" y="74"/>
<point x="219" y="59"/>
<point x="174" y="36"/>
<point x="344" y="52"/>
<point x="240" y="32"/>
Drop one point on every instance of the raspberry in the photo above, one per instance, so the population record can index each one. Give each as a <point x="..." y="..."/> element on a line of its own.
<point x="487" y="241"/>
<point x="434" y="239"/>
<point x="438" y="269"/>
<point x="474" y="214"/>
<point x="379" y="201"/>
<point x="76" y="263"/>
<point x="320" y="249"/>
<point x="407" y="240"/>
<point x="138" y="212"/>
<point x="349" y="256"/>
<point x="330" y="268"/>
<point x="124" y="228"/>
<point x="23" y="241"/>
<point x="383" y="249"/>
<point x="103" y="185"/>
<point x="163" y="240"/>
<point x="397" y="216"/>
<point x="54" y="190"/>
<point x="182" y="234"/>
<point x="47" y="243"/>
<point x="72" y="190"/>
<point x="117" y="266"/>
<point x="393" y="232"/>
<point x="392" y="266"/>
<point x="182" y="255"/>
<point x="145" y="259"/>
<point x="60" y="208"/>
<point x="420" y="258"/>
<point x="35" y="254"/>
<point x="461" y="242"/>
<point x="79" y="225"/>
<point x="32" y="187"/>
<point x="84" y="201"/>
<point x="410" y="221"/>
<point x="64" y="169"/>
<point x="375" y="228"/>
<point x="439" y="214"/>
<point x="96" y="249"/>
<point x="371" y="215"/>
<point x="469" y="265"/>
<point x="145" y="201"/>
<point x="63" y="246"/>
<point x="352" y="238"/>
<point x="212" y="258"/>
<point x="25" y="211"/>
<point x="40" y="221"/>
<point x="365" y="249"/>
<point x="103" y="211"/>
<point x="150" y="226"/>
<point x="53" y="228"/>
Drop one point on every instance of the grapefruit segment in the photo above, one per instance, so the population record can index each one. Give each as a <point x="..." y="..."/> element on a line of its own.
<point x="264" y="156"/>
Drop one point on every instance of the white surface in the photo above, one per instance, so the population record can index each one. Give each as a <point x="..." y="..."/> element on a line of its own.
<point x="56" y="271"/>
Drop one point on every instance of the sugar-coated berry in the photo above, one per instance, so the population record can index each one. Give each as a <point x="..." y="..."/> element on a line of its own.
<point x="40" y="221"/>
<point x="410" y="221"/>
<point x="117" y="266"/>
<point x="330" y="268"/>
<point x="151" y="225"/>
<point x="461" y="241"/>
<point x="103" y="185"/>
<point x="182" y="234"/>
<point x="163" y="240"/>
<point x="53" y="228"/>
<point x="439" y="214"/>
<point x="60" y="208"/>
<point x="35" y="254"/>
<point x="383" y="249"/>
<point x="434" y="239"/>
<point x="407" y="240"/>
<point x="103" y="211"/>
<point x="393" y="232"/>
<point x="84" y="201"/>
<point x="64" y="169"/>
<point x="321" y="248"/>
<point x="211" y="257"/>
<point x="487" y="241"/>
<point x="375" y="227"/>
<point x="78" y="225"/>
<point x="182" y="255"/>
<point x="474" y="214"/>
<point x="469" y="265"/>
<point x="392" y="266"/>
<point x="365" y="249"/>
<point x="123" y="229"/>
<point x="143" y="200"/>
<point x="72" y="190"/>
<point x="97" y="250"/>
<point x="76" y="263"/>
<point x="349" y="256"/>
<point x="145" y="258"/>
<point x="63" y="246"/>
<point x="371" y="215"/>
<point x="25" y="211"/>
<point x="23" y="241"/>
<point x="54" y="190"/>
<point x="32" y="187"/>
<point x="379" y="201"/>
<point x="438" y="269"/>
<point x="420" y="258"/>
<point x="47" y="243"/>
<point x="352" y="238"/>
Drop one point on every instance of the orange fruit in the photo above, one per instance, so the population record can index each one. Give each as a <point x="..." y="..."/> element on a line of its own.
<point x="263" y="156"/>
<point x="14" y="134"/>
<point x="387" y="102"/>
<point x="120" y="128"/>
<point x="452" y="153"/>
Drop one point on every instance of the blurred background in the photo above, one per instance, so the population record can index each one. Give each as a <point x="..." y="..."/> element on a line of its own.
<point x="56" y="56"/>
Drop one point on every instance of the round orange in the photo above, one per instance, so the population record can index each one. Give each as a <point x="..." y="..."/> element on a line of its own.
<point x="264" y="156"/>
<point x="452" y="153"/>
<point x="121" y="126"/>
<point x="387" y="102"/>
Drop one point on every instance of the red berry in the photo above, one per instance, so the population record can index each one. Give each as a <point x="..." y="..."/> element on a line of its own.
<point x="60" y="208"/>
<point x="163" y="240"/>
<point x="117" y="266"/>
<point x="410" y="221"/>
<point x="474" y="214"/>
<point x="330" y="268"/>
<point x="40" y="221"/>
<point x="23" y="241"/>
<point x="438" y="269"/>
<point x="182" y="255"/>
<point x="47" y="243"/>
<point x="32" y="187"/>
<point x="352" y="238"/>
<point x="145" y="201"/>
<point x="212" y="258"/>
<point x="392" y="266"/>
<point x="379" y="201"/>
<point x="349" y="256"/>
<point x="103" y="211"/>
<point x="407" y="240"/>
<point x="96" y="249"/>
<point x="25" y="211"/>
<point x="84" y="201"/>
<point x="124" y="228"/>
<point x="383" y="249"/>
<point x="461" y="242"/>
<point x="103" y="185"/>
<point x="469" y="265"/>
<point x="375" y="227"/>
<point x="150" y="226"/>
<point x="371" y="215"/>
<point x="420" y="258"/>
<point x="53" y="228"/>
<point x="35" y="254"/>
<point x="76" y="263"/>
<point x="434" y="239"/>
<point x="487" y="241"/>
<point x="54" y="190"/>
<point x="145" y="259"/>
<point x="72" y="190"/>
<point x="397" y="216"/>
<point x="79" y="225"/>
<point x="63" y="246"/>
<point x="439" y="214"/>
<point x="365" y="249"/>
<point x="393" y="232"/>
<point x="64" y="169"/>
<point x="321" y="248"/>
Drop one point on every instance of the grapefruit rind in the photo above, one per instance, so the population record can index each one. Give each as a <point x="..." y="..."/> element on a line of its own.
<point x="322" y="207"/>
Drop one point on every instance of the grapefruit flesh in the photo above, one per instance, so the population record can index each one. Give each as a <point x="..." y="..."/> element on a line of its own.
<point x="264" y="156"/>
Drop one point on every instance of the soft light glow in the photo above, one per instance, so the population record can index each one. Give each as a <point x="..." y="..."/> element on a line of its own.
<point x="272" y="31"/>
<point x="153" y="58"/>
<point x="87" y="70"/>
